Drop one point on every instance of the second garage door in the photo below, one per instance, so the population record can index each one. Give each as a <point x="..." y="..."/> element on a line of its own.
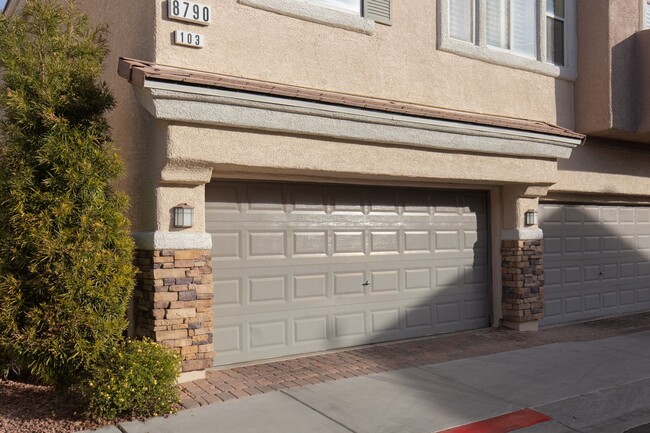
<point x="299" y="268"/>
<point x="596" y="261"/>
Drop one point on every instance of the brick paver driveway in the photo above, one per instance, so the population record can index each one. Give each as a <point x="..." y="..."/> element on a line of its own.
<point x="239" y="382"/>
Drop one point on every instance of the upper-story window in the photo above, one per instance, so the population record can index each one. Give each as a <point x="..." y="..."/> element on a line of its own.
<point x="523" y="34"/>
<point x="646" y="13"/>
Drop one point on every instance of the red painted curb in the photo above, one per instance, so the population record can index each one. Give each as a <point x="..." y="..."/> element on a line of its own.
<point x="502" y="423"/>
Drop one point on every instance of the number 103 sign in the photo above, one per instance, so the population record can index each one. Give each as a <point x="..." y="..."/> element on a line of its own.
<point x="189" y="39"/>
<point x="189" y="11"/>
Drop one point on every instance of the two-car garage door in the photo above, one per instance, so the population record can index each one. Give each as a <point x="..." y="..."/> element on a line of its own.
<point x="596" y="261"/>
<point x="301" y="267"/>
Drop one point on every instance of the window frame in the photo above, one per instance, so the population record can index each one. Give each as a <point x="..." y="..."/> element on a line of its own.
<point x="511" y="39"/>
<point x="324" y="13"/>
<point x="553" y="16"/>
<point x="472" y="28"/>
<point x="328" y="5"/>
<point x="498" y="56"/>
<point x="645" y="9"/>
<point x="508" y="30"/>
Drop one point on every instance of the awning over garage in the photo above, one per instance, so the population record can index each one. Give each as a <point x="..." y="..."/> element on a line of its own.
<point x="181" y="95"/>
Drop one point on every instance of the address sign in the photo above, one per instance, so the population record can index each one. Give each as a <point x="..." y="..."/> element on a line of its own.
<point x="189" y="39"/>
<point x="189" y="11"/>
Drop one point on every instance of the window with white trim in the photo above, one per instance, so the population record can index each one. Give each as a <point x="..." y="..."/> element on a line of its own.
<point x="647" y="14"/>
<point x="536" y="35"/>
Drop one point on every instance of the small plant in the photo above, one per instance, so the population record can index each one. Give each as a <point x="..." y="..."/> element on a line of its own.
<point x="136" y="378"/>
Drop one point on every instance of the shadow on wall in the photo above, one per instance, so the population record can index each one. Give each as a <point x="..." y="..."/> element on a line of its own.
<point x="626" y="85"/>
<point x="600" y="156"/>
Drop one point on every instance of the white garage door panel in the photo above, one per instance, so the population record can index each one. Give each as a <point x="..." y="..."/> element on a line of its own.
<point x="596" y="261"/>
<point x="301" y="268"/>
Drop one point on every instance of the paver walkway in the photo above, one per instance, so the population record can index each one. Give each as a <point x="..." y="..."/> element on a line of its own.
<point x="239" y="382"/>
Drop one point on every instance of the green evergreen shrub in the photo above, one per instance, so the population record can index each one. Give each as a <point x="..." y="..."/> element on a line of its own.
<point x="132" y="379"/>
<point x="66" y="272"/>
<point x="7" y="365"/>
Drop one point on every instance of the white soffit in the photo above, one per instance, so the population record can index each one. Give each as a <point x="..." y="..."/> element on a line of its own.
<point x="176" y="102"/>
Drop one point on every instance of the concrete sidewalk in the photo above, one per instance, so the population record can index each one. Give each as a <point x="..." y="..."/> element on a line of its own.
<point x="243" y="381"/>
<point x="600" y="386"/>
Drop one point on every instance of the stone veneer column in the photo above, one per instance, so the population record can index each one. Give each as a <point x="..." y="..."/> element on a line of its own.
<point x="173" y="304"/>
<point x="522" y="274"/>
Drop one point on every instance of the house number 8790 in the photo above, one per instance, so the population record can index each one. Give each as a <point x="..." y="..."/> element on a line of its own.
<point x="188" y="11"/>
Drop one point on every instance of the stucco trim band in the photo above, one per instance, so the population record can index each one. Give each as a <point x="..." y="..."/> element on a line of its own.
<point x="314" y="13"/>
<point x="216" y="107"/>
<point x="522" y="233"/>
<point x="172" y="241"/>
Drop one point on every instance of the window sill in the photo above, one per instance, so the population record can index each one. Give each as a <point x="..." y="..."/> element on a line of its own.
<point x="504" y="58"/>
<point x="314" y="13"/>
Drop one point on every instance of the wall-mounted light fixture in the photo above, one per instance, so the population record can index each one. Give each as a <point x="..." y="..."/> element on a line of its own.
<point x="183" y="216"/>
<point x="530" y="217"/>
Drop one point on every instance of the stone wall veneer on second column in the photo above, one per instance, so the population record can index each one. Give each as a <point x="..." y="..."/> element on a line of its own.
<point x="522" y="272"/>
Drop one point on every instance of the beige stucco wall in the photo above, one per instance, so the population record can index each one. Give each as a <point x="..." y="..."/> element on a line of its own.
<point x="643" y="57"/>
<point x="607" y="90"/>
<point x="247" y="153"/>
<point x="254" y="155"/>
<point x="605" y="167"/>
<point x="130" y="34"/>
<point x="399" y="62"/>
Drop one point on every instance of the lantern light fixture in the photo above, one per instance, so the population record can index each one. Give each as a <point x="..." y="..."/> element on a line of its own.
<point x="530" y="217"/>
<point x="183" y="216"/>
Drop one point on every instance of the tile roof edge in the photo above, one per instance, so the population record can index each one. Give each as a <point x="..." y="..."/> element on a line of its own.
<point x="136" y="71"/>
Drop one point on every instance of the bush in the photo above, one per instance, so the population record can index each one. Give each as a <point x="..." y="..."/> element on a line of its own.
<point x="66" y="272"/>
<point x="136" y="378"/>
<point x="7" y="365"/>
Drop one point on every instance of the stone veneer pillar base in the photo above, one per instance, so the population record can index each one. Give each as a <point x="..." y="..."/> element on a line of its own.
<point x="522" y="273"/>
<point x="173" y="304"/>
